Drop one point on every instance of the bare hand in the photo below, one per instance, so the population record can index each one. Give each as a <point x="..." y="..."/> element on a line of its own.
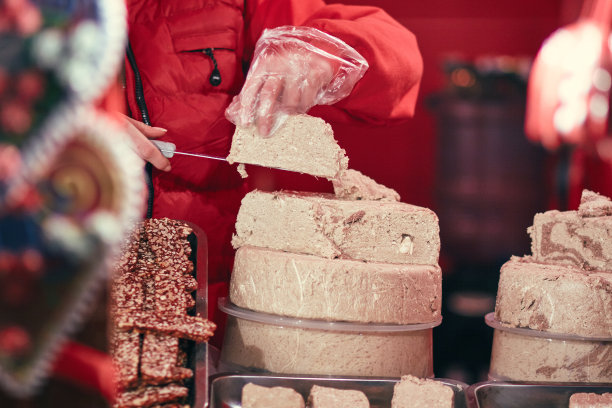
<point x="140" y="134"/>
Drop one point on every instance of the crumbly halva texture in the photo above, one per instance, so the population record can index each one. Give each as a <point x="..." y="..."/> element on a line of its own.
<point x="590" y="400"/>
<point x="257" y="396"/>
<point x="518" y="357"/>
<point x="582" y="238"/>
<point x="354" y="185"/>
<point x="413" y="392"/>
<point x="321" y="225"/>
<point x="554" y="298"/>
<point x="241" y="168"/>
<point x="303" y="143"/>
<point x="594" y="205"/>
<point x="565" y="289"/>
<point x="328" y="397"/>
<point x="312" y="287"/>
<point x="292" y="350"/>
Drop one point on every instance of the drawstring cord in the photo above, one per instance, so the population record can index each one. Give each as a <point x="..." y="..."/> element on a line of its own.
<point x="215" y="76"/>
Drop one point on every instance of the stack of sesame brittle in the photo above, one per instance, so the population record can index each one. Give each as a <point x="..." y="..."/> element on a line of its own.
<point x="152" y="296"/>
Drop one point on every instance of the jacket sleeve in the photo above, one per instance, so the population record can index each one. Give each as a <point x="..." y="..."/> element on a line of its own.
<point x="388" y="91"/>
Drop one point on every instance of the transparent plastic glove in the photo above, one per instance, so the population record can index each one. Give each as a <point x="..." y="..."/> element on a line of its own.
<point x="293" y="69"/>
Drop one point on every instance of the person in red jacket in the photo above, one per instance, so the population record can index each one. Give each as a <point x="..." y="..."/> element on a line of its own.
<point x="187" y="60"/>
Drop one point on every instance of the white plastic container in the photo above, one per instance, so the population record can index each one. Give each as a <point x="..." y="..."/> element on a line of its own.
<point x="258" y="341"/>
<point x="531" y="355"/>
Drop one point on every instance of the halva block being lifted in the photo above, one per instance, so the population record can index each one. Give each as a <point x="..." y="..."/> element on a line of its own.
<point x="303" y="143"/>
<point x="582" y="238"/>
<point x="312" y="287"/>
<point x="322" y="225"/>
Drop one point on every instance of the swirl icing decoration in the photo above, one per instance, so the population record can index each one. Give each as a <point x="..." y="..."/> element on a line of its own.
<point x="72" y="188"/>
<point x="79" y="193"/>
<point x="54" y="52"/>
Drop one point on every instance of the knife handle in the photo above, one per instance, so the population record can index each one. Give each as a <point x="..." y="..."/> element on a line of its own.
<point x="166" y="148"/>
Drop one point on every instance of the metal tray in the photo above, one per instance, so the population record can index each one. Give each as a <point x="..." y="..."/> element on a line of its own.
<point x="519" y="395"/>
<point x="198" y="356"/>
<point x="226" y="389"/>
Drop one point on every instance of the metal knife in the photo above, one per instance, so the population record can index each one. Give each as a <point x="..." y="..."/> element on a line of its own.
<point x="169" y="149"/>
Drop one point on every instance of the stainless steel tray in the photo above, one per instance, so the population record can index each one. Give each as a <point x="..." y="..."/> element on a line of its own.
<point x="519" y="395"/>
<point x="198" y="356"/>
<point x="226" y="389"/>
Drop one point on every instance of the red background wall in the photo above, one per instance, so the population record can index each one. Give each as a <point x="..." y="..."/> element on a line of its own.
<point x="403" y="157"/>
<point x="406" y="158"/>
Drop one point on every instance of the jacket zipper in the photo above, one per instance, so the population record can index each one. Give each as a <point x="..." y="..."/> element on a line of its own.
<point x="138" y="91"/>
<point x="144" y="114"/>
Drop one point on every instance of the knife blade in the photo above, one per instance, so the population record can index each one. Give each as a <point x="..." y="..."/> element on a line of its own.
<point x="169" y="150"/>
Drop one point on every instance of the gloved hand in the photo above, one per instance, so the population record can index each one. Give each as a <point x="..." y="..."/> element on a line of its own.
<point x="293" y="69"/>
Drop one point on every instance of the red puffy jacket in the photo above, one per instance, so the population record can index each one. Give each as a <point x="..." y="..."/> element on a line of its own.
<point x="176" y="44"/>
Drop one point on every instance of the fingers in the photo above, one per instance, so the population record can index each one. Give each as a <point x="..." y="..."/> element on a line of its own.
<point x="145" y="149"/>
<point x="280" y="85"/>
<point x="291" y="98"/>
<point x="308" y="98"/>
<point x="267" y="108"/>
<point x="149" y="131"/>
<point x="248" y="100"/>
<point x="298" y="91"/>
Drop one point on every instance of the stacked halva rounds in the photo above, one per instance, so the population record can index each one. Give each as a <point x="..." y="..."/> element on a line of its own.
<point x="553" y="315"/>
<point x="334" y="284"/>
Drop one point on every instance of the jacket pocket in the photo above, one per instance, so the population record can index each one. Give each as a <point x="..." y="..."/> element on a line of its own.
<point x="214" y="78"/>
<point x="207" y="52"/>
